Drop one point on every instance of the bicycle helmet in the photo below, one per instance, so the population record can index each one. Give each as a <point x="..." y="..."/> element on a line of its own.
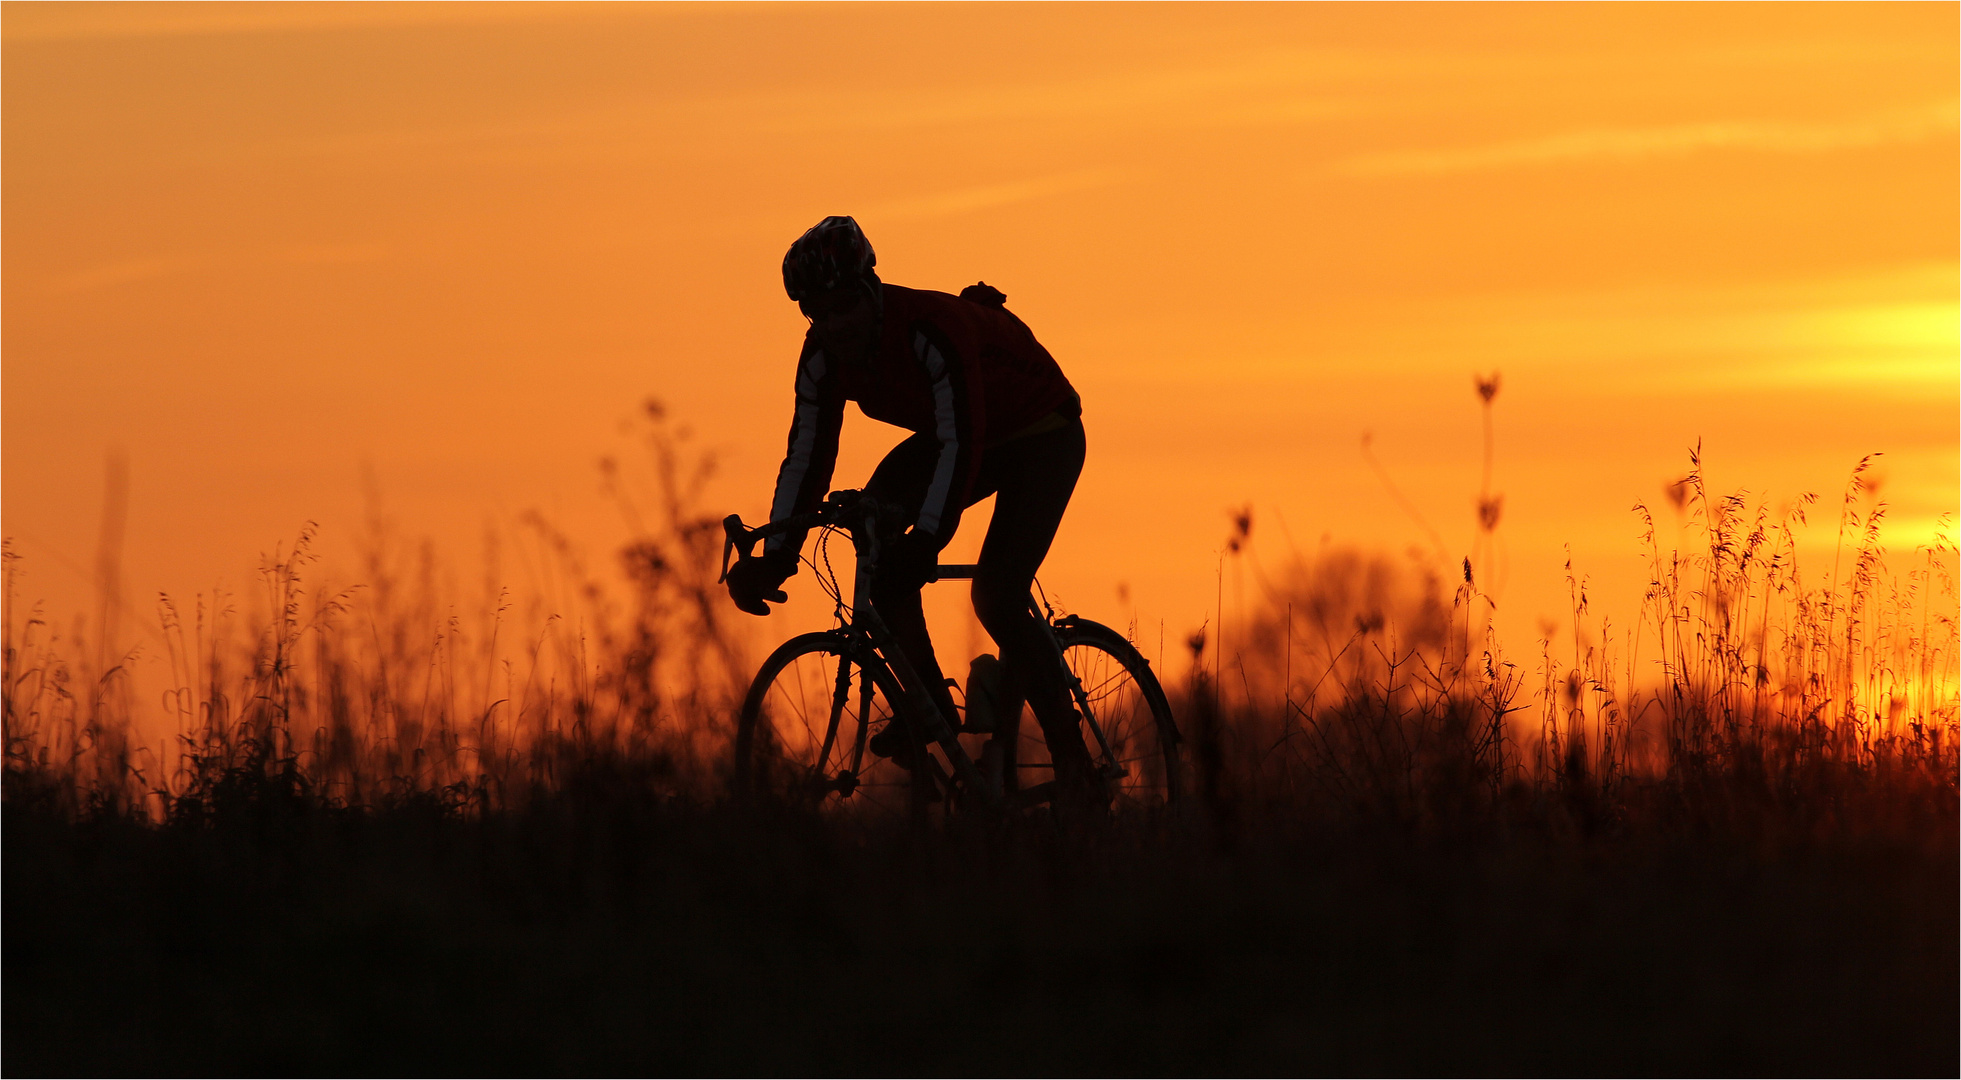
<point x="833" y="253"/>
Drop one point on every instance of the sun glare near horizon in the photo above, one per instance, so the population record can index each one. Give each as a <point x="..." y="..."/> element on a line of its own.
<point x="422" y="263"/>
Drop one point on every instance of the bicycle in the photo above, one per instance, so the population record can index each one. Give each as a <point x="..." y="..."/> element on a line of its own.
<point x="800" y="739"/>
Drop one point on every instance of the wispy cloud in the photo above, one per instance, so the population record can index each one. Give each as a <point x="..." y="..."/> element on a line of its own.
<point x="140" y="269"/>
<point x="116" y="272"/>
<point x="1932" y="121"/>
<point x="77" y="22"/>
<point x="1867" y="332"/>
<point x="967" y="200"/>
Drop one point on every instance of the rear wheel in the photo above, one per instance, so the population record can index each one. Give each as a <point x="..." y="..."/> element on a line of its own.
<point x="801" y="736"/>
<point x="1119" y="696"/>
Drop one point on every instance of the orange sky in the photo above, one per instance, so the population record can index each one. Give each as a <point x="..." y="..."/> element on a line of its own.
<point x="267" y="251"/>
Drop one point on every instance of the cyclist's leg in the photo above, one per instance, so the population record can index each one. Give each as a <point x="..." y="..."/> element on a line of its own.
<point x="1034" y="478"/>
<point x="901" y="479"/>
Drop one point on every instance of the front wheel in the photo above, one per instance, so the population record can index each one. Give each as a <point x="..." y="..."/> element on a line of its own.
<point x="801" y="736"/>
<point x="1139" y="749"/>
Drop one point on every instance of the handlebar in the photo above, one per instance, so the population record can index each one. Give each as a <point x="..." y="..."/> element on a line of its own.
<point x="840" y="508"/>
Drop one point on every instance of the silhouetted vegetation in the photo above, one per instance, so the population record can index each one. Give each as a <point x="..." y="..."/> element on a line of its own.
<point x="387" y="839"/>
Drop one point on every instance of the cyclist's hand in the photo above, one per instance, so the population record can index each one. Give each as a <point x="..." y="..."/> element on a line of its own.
<point x="911" y="561"/>
<point x="755" y="580"/>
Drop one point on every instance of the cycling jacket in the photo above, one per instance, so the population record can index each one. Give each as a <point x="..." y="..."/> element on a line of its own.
<point x="971" y="375"/>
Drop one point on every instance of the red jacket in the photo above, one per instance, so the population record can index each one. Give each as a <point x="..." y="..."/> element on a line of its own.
<point x="969" y="374"/>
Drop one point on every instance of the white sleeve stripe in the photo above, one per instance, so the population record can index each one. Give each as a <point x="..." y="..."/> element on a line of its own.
<point x="790" y="482"/>
<point x="928" y="355"/>
<point x="933" y="510"/>
<point x="799" y="464"/>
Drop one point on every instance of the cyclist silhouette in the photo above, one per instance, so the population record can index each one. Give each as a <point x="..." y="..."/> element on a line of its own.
<point x="991" y="414"/>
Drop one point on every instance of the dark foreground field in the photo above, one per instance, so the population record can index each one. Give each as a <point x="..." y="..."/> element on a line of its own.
<point x="605" y="930"/>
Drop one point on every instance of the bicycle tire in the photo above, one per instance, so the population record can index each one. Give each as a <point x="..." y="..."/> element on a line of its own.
<point x="782" y="753"/>
<point x="1123" y="695"/>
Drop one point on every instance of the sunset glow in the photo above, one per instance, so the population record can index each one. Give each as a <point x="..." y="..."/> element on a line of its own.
<point x="328" y="262"/>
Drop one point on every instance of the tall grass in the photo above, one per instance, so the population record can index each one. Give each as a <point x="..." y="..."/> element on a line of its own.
<point x="392" y="691"/>
<point x="1356" y="685"/>
<point x="1371" y="686"/>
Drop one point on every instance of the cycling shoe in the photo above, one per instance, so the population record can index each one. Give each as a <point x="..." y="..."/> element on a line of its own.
<point x="891" y="742"/>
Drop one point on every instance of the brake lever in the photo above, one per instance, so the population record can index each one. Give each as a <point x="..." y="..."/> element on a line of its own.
<point x="731" y="528"/>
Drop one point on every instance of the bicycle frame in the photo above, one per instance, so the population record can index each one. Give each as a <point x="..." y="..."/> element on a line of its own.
<point x="871" y="644"/>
